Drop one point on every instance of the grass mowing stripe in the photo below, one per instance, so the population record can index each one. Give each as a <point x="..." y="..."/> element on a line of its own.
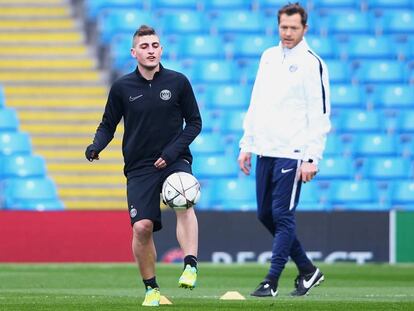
<point x="118" y="287"/>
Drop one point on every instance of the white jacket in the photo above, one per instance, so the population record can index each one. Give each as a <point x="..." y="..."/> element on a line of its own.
<point x="289" y="110"/>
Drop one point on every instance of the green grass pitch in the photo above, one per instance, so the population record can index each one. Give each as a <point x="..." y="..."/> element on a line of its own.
<point x="103" y="287"/>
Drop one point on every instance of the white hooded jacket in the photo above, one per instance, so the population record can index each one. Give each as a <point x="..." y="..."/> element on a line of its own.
<point x="289" y="110"/>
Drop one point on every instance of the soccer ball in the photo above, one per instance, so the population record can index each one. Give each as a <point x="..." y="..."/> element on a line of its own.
<point x="181" y="191"/>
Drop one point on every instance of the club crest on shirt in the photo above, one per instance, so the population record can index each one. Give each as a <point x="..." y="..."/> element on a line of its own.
<point x="165" y="94"/>
<point x="293" y="68"/>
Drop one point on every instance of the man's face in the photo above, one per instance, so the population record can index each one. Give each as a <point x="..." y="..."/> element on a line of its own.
<point x="291" y="30"/>
<point x="147" y="51"/>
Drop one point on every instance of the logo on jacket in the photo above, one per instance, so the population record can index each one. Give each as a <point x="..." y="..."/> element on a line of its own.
<point x="293" y="68"/>
<point x="165" y="94"/>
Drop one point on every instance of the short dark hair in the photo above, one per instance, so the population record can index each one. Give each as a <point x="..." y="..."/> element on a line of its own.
<point x="143" y="30"/>
<point x="293" y="8"/>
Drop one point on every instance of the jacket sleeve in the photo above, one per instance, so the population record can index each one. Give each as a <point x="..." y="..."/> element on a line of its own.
<point x="246" y="142"/>
<point x="110" y="119"/>
<point x="318" y="109"/>
<point x="192" y="128"/>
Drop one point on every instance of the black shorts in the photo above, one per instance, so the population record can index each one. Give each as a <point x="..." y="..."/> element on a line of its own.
<point x="143" y="192"/>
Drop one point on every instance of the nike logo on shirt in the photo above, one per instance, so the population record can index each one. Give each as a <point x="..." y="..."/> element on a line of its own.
<point x="131" y="99"/>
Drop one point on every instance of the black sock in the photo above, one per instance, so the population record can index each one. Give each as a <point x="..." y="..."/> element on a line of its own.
<point x="190" y="260"/>
<point x="271" y="280"/>
<point x="152" y="282"/>
<point x="307" y="270"/>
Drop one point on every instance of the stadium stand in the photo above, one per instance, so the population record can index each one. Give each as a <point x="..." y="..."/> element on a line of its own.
<point x="367" y="45"/>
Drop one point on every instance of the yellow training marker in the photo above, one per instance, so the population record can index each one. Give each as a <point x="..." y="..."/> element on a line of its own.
<point x="165" y="301"/>
<point x="232" y="296"/>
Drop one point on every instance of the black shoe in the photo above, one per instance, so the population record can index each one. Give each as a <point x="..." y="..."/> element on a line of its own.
<point x="265" y="289"/>
<point x="303" y="283"/>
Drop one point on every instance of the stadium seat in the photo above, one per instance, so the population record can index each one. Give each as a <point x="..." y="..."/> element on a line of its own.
<point x="360" y="120"/>
<point x="238" y="21"/>
<point x="236" y="193"/>
<point x="175" y="4"/>
<point x="345" y="192"/>
<point x="22" y="166"/>
<point x="184" y="22"/>
<point x="347" y="22"/>
<point x="200" y="46"/>
<point x="380" y="71"/>
<point x="8" y="120"/>
<point x="212" y="166"/>
<point x="93" y="7"/>
<point x="394" y="96"/>
<point x="218" y="5"/>
<point x="339" y="71"/>
<point x="374" y="145"/>
<point x="208" y="143"/>
<point x="334" y="145"/>
<point x="336" y="168"/>
<point x="405" y="122"/>
<point x="309" y="199"/>
<point x="28" y="191"/>
<point x="249" y="71"/>
<point x="397" y="21"/>
<point x="323" y="46"/>
<point x="231" y="122"/>
<point x="14" y="143"/>
<point x="336" y="4"/>
<point x="250" y="45"/>
<point x="347" y="96"/>
<point x="402" y="192"/>
<point x="111" y="22"/>
<point x="389" y="4"/>
<point x="387" y="168"/>
<point x="38" y="205"/>
<point x="370" y="47"/>
<point x="228" y="96"/>
<point x="210" y="71"/>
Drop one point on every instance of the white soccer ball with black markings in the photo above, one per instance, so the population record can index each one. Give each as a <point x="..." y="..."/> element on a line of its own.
<point x="181" y="191"/>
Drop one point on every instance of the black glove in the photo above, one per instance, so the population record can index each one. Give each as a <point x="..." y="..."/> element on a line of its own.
<point x="91" y="153"/>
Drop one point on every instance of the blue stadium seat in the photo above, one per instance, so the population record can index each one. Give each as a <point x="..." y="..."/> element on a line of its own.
<point x="210" y="119"/>
<point x="23" y="192"/>
<point x="212" y="166"/>
<point x="249" y="71"/>
<point x="175" y="4"/>
<point x="402" y="192"/>
<point x="336" y="167"/>
<point x="228" y="96"/>
<point x="390" y="4"/>
<point x="210" y="71"/>
<point x="236" y="193"/>
<point x="397" y="21"/>
<point x="394" y="96"/>
<point x="387" y="168"/>
<point x="339" y="71"/>
<point x="200" y="46"/>
<point x="360" y="120"/>
<point x="8" y="120"/>
<point x="347" y="96"/>
<point x="231" y="122"/>
<point x="208" y="143"/>
<point x="207" y="195"/>
<point x="323" y="46"/>
<point x="310" y="198"/>
<point x="184" y="22"/>
<point x="375" y="144"/>
<point x="336" y="4"/>
<point x="405" y="122"/>
<point x="22" y="166"/>
<point x="94" y="7"/>
<point x="15" y="143"/>
<point x="370" y="46"/>
<point x="250" y="45"/>
<point x="334" y="145"/>
<point x="377" y="71"/>
<point x="228" y="5"/>
<point x="347" y="22"/>
<point x="353" y="192"/>
<point x="238" y="21"/>
<point x="111" y="22"/>
<point x="38" y="205"/>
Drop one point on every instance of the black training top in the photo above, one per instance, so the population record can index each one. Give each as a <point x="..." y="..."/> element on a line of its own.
<point x="154" y="113"/>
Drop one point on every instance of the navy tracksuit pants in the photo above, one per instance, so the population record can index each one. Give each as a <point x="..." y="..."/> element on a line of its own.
<point x="278" y="187"/>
